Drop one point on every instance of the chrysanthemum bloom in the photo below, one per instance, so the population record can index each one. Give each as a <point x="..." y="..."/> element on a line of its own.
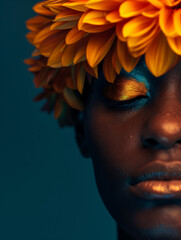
<point x="73" y="38"/>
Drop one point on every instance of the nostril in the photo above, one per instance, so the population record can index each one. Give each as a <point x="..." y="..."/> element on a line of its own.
<point x="161" y="143"/>
<point x="179" y="141"/>
<point x="150" y="142"/>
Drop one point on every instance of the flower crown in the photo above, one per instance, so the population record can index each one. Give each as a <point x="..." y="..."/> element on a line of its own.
<point x="72" y="38"/>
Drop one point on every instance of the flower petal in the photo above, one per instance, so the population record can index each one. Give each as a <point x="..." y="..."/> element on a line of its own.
<point x="119" y="31"/>
<point x="40" y="96"/>
<point x="139" y="45"/>
<point x="68" y="54"/>
<point x="40" y="78"/>
<point x="63" y="25"/>
<point x="80" y="74"/>
<point x="31" y="36"/>
<point x="36" y="52"/>
<point x="159" y="57"/>
<point x="89" y="28"/>
<point x="69" y="77"/>
<point x="50" y="43"/>
<point x="67" y="15"/>
<point x="157" y="3"/>
<point x="44" y="33"/>
<point x="54" y="6"/>
<point x="74" y="35"/>
<point x="151" y="11"/>
<point x="35" y="68"/>
<point x="114" y="17"/>
<point x="58" y="107"/>
<point x="94" y="17"/>
<point x="132" y="8"/>
<point x="127" y="61"/>
<point x="94" y="23"/>
<point x="103" y="5"/>
<point x="40" y="9"/>
<point x="138" y="26"/>
<point x="80" y="54"/>
<point x="30" y="61"/>
<point x="108" y="69"/>
<point x="72" y="99"/>
<point x="59" y="84"/>
<point x="175" y="44"/>
<point x="55" y="57"/>
<point x="98" y="46"/>
<point x="92" y="71"/>
<point x="177" y="21"/>
<point x="172" y="3"/>
<point x="166" y="22"/>
<point x="37" y="23"/>
<point x="77" y="5"/>
<point x="115" y="61"/>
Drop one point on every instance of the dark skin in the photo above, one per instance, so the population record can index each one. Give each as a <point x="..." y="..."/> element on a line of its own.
<point x="122" y="141"/>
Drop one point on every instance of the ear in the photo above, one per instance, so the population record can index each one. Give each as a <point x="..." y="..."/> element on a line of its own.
<point x="80" y="135"/>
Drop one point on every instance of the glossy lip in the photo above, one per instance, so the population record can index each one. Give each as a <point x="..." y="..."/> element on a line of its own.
<point x="153" y="189"/>
<point x="158" y="180"/>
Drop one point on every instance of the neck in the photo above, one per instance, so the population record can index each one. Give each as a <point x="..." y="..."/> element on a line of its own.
<point x="122" y="235"/>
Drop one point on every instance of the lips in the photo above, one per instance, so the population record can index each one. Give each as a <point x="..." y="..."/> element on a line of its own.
<point x="159" y="171"/>
<point x="158" y="180"/>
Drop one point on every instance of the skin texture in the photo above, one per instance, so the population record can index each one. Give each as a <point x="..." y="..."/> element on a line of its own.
<point x="122" y="141"/>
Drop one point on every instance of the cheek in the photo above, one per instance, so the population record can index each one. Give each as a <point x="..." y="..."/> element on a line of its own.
<point x="113" y="140"/>
<point x="116" y="151"/>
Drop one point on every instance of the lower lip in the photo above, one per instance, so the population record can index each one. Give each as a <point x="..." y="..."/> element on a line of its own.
<point x="154" y="189"/>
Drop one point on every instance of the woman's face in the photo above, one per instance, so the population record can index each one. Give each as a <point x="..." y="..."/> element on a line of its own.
<point x="135" y="146"/>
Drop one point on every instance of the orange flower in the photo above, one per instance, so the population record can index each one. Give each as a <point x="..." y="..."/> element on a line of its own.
<point x="73" y="37"/>
<point x="153" y="28"/>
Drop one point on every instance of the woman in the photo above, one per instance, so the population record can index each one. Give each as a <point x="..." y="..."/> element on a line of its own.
<point x="129" y="120"/>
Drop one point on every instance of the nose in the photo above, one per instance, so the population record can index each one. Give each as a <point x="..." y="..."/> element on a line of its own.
<point x="162" y="130"/>
<point x="162" y="126"/>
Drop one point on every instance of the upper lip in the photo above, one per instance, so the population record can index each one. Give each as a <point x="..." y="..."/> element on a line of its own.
<point x="159" y="171"/>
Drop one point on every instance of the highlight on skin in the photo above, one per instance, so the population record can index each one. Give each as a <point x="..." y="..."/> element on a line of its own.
<point x="73" y="38"/>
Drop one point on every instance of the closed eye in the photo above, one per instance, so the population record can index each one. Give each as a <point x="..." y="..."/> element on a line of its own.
<point x="125" y="90"/>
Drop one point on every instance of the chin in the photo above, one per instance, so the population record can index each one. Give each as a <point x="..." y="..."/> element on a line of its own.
<point x="158" y="223"/>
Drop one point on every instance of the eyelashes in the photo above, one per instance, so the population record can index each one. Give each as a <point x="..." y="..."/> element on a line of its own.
<point x="124" y="90"/>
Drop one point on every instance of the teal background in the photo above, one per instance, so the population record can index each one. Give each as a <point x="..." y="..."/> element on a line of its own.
<point x="47" y="189"/>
